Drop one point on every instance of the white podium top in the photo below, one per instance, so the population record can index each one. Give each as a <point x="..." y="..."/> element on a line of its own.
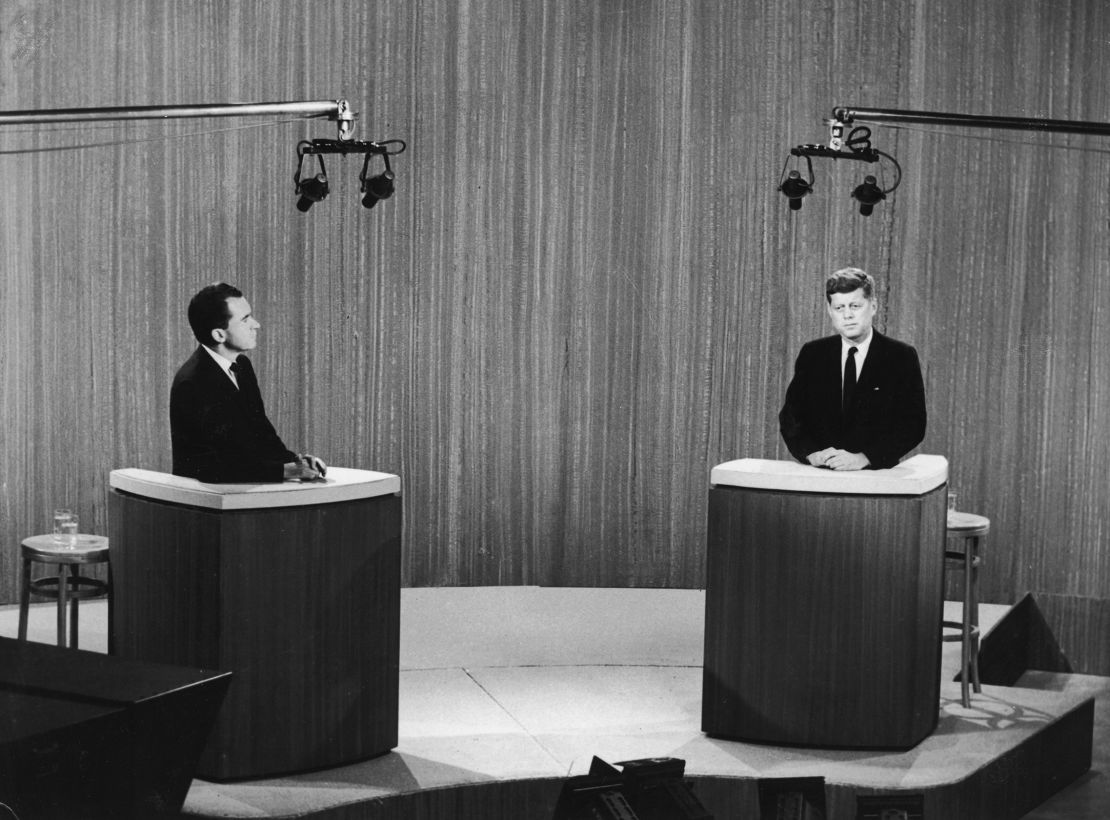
<point x="914" y="476"/>
<point x="342" y="484"/>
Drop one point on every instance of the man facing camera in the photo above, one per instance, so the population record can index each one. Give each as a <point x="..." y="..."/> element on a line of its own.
<point x="218" y="423"/>
<point x="857" y="399"/>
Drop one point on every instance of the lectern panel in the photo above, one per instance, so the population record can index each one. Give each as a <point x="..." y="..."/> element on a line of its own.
<point x="823" y="617"/>
<point x="165" y="573"/>
<point x="302" y="603"/>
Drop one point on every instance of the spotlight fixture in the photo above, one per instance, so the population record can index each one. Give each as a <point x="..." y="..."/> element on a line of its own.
<point x="377" y="187"/>
<point x="794" y="187"/>
<point x="374" y="189"/>
<point x="857" y="146"/>
<point x="312" y="190"/>
<point x="869" y="194"/>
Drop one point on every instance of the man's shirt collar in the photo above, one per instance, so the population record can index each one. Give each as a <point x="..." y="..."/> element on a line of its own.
<point x="223" y="362"/>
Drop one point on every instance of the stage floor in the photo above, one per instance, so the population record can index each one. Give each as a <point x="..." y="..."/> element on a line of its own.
<point x="519" y="683"/>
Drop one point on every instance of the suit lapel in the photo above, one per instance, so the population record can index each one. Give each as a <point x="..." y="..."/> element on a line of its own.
<point x="833" y="380"/>
<point x="872" y="364"/>
<point x="248" y="383"/>
<point x="215" y="376"/>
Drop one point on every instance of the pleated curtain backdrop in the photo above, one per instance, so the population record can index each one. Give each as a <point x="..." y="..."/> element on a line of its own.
<point x="586" y="290"/>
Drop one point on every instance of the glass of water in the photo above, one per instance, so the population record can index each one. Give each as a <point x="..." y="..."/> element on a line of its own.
<point x="65" y="527"/>
<point x="69" y="531"/>
<point x="61" y="517"/>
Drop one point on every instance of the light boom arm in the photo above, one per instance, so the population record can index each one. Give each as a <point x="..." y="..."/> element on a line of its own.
<point x="336" y="110"/>
<point x="847" y="115"/>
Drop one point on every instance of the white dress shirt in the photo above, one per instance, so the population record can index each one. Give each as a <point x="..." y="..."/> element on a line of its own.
<point x="861" y="353"/>
<point x="224" y="363"/>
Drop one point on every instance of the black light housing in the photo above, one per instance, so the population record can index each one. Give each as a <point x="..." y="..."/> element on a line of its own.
<point x="376" y="188"/>
<point x="869" y="195"/>
<point x="794" y="186"/>
<point x="312" y="191"/>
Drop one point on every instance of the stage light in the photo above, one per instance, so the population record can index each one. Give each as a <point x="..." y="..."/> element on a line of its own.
<point x="378" y="187"/>
<point x="856" y="146"/>
<point x="869" y="195"/>
<point x="647" y="789"/>
<point x="311" y="191"/>
<point x="374" y="188"/>
<point x="794" y="186"/>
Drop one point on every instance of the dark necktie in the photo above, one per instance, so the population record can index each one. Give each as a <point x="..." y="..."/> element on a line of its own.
<point x="237" y="369"/>
<point x="849" y="381"/>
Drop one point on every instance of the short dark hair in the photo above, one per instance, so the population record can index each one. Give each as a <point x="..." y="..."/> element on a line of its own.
<point x="847" y="280"/>
<point x="208" y="310"/>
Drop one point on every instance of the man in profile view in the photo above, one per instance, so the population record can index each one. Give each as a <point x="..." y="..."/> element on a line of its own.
<point x="857" y="399"/>
<point x="218" y="424"/>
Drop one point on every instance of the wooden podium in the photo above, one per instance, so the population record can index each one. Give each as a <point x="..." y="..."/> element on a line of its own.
<point x="294" y="588"/>
<point x="824" y="596"/>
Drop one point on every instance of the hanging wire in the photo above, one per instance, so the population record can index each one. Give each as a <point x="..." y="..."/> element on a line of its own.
<point x="931" y="130"/>
<point x="160" y="138"/>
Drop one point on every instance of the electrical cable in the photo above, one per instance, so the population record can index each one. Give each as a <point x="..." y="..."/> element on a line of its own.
<point x="930" y="131"/>
<point x="164" y="137"/>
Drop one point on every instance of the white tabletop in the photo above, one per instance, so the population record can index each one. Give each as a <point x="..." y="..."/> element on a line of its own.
<point x="341" y="484"/>
<point x="914" y="476"/>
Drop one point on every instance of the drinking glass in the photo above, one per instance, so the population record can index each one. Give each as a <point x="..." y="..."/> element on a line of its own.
<point x="69" y="531"/>
<point x="61" y="519"/>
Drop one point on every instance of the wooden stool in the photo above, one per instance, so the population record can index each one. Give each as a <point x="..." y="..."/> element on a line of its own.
<point x="43" y="549"/>
<point x="967" y="528"/>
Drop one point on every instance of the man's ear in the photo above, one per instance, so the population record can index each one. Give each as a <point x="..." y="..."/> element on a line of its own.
<point x="219" y="335"/>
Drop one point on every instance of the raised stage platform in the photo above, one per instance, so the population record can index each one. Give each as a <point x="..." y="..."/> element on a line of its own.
<point x="507" y="691"/>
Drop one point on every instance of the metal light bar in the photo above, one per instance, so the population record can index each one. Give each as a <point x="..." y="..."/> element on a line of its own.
<point x="337" y="110"/>
<point x="846" y="115"/>
<point x="348" y="147"/>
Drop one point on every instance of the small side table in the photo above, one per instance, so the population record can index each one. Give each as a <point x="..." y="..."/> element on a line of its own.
<point x="43" y="549"/>
<point x="969" y="529"/>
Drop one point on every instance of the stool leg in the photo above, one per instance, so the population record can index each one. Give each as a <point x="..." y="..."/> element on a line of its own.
<point x="73" y="574"/>
<point x="63" y="589"/>
<point x="25" y="599"/>
<point x="975" y="561"/>
<point x="965" y="642"/>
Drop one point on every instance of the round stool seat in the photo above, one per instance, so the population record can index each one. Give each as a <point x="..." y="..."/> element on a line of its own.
<point x="967" y="524"/>
<point x="88" y="549"/>
<point x="63" y="587"/>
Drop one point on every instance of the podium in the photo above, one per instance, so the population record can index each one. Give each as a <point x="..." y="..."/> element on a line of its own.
<point x="292" y="587"/>
<point x="824" y="598"/>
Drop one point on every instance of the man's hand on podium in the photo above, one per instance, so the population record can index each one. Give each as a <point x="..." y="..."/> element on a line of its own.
<point x="306" y="468"/>
<point x="835" y="459"/>
<point x="821" y="457"/>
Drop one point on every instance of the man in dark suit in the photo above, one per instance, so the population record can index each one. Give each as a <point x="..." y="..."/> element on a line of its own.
<point x="857" y="399"/>
<point x="218" y="423"/>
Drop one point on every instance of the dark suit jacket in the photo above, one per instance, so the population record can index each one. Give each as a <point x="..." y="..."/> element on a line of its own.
<point x="887" y="417"/>
<point x="221" y="434"/>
